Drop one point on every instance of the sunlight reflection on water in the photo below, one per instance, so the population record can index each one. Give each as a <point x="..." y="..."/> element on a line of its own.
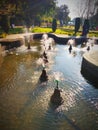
<point x="25" y="104"/>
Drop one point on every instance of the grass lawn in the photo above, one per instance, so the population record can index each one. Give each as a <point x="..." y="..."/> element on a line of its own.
<point x="65" y="30"/>
<point x="68" y="30"/>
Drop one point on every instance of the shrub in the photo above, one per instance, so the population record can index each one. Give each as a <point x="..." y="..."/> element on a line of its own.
<point x="77" y="24"/>
<point x="54" y="25"/>
<point x="85" y="27"/>
<point x="5" y="23"/>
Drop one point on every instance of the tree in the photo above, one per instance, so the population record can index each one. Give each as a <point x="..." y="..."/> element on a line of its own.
<point x="62" y="14"/>
<point x="77" y="24"/>
<point x="94" y="17"/>
<point x="7" y="8"/>
<point x="86" y="27"/>
<point x="27" y="9"/>
<point x="35" y="9"/>
<point x="54" y="25"/>
<point x="86" y="8"/>
<point x="5" y="23"/>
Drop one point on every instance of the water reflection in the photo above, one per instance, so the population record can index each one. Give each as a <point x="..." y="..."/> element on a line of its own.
<point x="25" y="103"/>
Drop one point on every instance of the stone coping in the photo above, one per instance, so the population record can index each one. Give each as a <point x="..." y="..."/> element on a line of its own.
<point x="15" y="37"/>
<point x="59" y="38"/>
<point x="92" y="57"/>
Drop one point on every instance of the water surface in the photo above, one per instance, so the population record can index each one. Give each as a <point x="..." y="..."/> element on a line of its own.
<point x="25" y="104"/>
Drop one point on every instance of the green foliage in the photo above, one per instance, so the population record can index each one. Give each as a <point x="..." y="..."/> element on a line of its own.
<point x="62" y="14"/>
<point x="60" y="31"/>
<point x="11" y="31"/>
<point x="31" y="11"/>
<point x="15" y="30"/>
<point x="66" y="31"/>
<point x="77" y="25"/>
<point x="5" y="23"/>
<point x="54" y="25"/>
<point x="41" y="30"/>
<point x="85" y="27"/>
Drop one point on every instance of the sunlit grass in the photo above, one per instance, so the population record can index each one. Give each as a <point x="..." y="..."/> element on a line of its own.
<point x="16" y="30"/>
<point x="41" y="30"/>
<point x="11" y="31"/>
<point x="67" y="30"/>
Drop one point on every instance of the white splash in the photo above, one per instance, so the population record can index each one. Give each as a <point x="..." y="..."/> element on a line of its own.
<point x="71" y="42"/>
<point x="58" y="76"/>
<point x="47" y="42"/>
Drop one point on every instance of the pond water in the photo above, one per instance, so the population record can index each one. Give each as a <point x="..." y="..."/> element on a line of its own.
<point x="25" y="103"/>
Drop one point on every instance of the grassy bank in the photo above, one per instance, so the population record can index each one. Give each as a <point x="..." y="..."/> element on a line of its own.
<point x="68" y="30"/>
<point x="65" y="30"/>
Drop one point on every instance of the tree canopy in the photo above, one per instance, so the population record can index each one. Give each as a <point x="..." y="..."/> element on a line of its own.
<point x="26" y="9"/>
<point x="62" y="14"/>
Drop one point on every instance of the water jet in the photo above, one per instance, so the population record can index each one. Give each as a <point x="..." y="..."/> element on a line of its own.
<point x="56" y="98"/>
<point x="43" y="76"/>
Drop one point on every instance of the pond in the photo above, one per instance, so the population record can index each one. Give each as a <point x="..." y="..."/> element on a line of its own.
<point x="25" y="103"/>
